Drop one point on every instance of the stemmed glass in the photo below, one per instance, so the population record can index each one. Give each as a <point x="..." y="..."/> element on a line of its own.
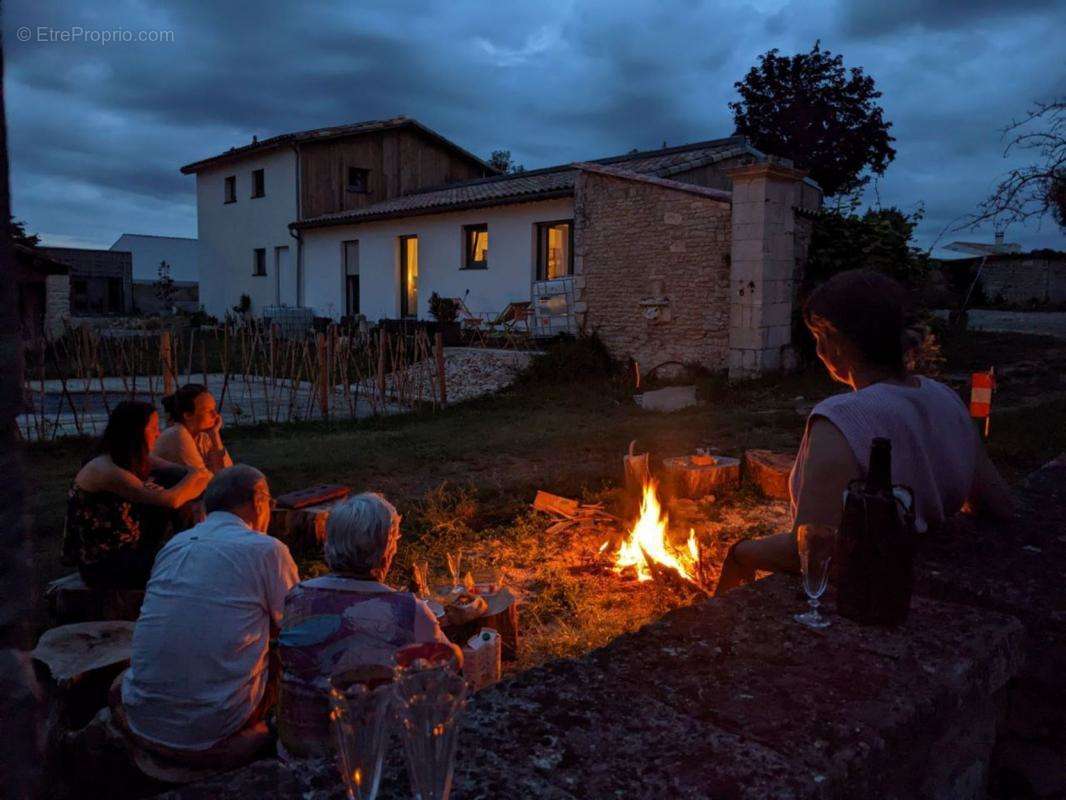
<point x="815" y="544"/>
<point x="429" y="705"/>
<point x="360" y="714"/>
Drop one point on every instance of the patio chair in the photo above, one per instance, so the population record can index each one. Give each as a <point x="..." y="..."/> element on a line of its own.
<point x="514" y="324"/>
<point x="474" y="325"/>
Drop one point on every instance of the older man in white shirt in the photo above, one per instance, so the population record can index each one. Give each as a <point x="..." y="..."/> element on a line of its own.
<point x="199" y="669"/>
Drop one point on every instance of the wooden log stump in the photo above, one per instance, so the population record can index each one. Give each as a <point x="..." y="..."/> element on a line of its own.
<point x="687" y="477"/>
<point x="77" y="663"/>
<point x="70" y="600"/>
<point x="501" y="616"/>
<point x="768" y="471"/>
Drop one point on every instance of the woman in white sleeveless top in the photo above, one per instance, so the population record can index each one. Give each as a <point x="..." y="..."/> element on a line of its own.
<point x="857" y="320"/>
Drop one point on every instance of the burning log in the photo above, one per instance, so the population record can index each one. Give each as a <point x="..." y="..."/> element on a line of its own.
<point x="698" y="476"/>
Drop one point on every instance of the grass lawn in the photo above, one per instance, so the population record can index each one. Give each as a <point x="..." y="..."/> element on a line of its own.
<point x="465" y="477"/>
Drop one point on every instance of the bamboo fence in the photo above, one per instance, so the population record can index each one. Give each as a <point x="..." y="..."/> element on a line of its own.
<point x="72" y="381"/>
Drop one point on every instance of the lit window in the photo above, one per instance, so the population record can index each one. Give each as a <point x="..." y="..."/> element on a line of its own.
<point x="476" y="246"/>
<point x="555" y="252"/>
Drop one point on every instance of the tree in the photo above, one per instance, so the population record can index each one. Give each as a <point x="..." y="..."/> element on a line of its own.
<point x="824" y="118"/>
<point x="880" y="239"/>
<point x="1038" y="189"/>
<point x="164" y="287"/>
<point x="501" y="161"/>
<point x="16" y="230"/>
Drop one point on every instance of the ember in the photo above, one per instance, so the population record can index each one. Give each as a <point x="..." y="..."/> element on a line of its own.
<point x="647" y="543"/>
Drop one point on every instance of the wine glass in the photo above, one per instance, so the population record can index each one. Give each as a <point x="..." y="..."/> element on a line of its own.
<point x="815" y="544"/>
<point x="429" y="703"/>
<point x="360" y="714"/>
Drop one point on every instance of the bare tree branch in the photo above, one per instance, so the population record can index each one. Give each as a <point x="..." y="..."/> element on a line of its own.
<point x="1035" y="190"/>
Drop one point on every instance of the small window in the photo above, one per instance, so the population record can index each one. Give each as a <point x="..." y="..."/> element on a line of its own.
<point x="260" y="265"/>
<point x="555" y="250"/>
<point x="358" y="180"/>
<point x="231" y="189"/>
<point x="476" y="246"/>
<point x="258" y="183"/>
<point x="351" y="277"/>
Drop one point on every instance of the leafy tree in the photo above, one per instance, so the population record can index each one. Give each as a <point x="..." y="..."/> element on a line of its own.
<point x="502" y="161"/>
<point x="880" y="239"/>
<point x="812" y="110"/>
<point x="16" y="230"/>
<point x="164" y="286"/>
<point x="1037" y="189"/>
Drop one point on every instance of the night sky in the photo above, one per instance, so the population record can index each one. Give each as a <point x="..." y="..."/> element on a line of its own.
<point x="97" y="131"/>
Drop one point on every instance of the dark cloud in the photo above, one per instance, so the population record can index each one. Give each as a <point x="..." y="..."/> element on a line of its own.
<point x="97" y="131"/>
<point x="878" y="18"/>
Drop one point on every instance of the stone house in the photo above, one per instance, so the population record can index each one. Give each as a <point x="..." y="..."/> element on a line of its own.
<point x="43" y="292"/>
<point x="101" y="281"/>
<point x="680" y="255"/>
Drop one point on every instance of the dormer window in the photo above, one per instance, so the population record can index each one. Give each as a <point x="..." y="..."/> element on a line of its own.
<point x="358" y="180"/>
<point x="258" y="183"/>
<point x="231" y="189"/>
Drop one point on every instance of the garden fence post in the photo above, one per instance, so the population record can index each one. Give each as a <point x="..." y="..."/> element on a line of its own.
<point x="167" y="357"/>
<point x="438" y="347"/>
<point x="323" y="373"/>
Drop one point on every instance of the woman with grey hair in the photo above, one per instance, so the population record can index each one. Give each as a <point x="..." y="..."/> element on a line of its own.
<point x="348" y="619"/>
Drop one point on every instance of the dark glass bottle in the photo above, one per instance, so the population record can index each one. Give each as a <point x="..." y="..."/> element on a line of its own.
<point x="875" y="548"/>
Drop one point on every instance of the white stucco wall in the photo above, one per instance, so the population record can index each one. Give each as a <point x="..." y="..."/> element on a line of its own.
<point x="229" y="232"/>
<point x="148" y="251"/>
<point x="511" y="270"/>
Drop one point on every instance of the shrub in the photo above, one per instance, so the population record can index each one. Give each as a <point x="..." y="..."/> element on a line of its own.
<point x="569" y="358"/>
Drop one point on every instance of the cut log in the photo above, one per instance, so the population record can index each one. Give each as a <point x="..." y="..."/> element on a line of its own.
<point x="70" y="600"/>
<point x="554" y="504"/>
<point x="636" y="471"/>
<point x="695" y="481"/>
<point x="77" y="663"/>
<point x="769" y="471"/>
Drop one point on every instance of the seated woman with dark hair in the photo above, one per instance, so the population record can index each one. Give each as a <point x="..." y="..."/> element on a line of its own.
<point x="192" y="436"/>
<point x="857" y="319"/>
<point x="117" y="516"/>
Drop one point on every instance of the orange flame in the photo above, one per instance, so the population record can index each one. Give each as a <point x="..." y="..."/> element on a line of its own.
<point x="648" y="540"/>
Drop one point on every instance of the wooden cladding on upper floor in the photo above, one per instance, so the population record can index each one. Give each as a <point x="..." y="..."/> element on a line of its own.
<point x="396" y="162"/>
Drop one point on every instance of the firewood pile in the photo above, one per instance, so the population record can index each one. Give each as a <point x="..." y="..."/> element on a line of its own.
<point x="574" y="515"/>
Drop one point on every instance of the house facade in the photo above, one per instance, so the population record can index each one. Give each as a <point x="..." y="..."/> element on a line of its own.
<point x="101" y="281"/>
<point x="247" y="197"/>
<point x="677" y="256"/>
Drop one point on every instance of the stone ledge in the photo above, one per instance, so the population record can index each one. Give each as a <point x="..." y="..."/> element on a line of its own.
<point x="729" y="699"/>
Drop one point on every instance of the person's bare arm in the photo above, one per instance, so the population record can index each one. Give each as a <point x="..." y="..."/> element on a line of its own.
<point x="127" y="485"/>
<point x="989" y="496"/>
<point x="830" y="465"/>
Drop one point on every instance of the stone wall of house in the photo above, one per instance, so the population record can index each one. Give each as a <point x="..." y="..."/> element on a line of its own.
<point x="56" y="303"/>
<point x="652" y="266"/>
<point x="1031" y="279"/>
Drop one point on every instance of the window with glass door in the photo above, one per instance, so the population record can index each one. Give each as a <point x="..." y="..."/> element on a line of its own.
<point x="555" y="249"/>
<point x="408" y="276"/>
<point x="351" y="277"/>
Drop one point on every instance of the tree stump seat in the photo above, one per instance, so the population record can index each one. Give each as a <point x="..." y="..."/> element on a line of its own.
<point x="695" y="477"/>
<point x="769" y="471"/>
<point x="76" y="664"/>
<point x="71" y="601"/>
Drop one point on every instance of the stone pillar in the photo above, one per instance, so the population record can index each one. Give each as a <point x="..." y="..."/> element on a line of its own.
<point x="762" y="266"/>
<point x="56" y="303"/>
